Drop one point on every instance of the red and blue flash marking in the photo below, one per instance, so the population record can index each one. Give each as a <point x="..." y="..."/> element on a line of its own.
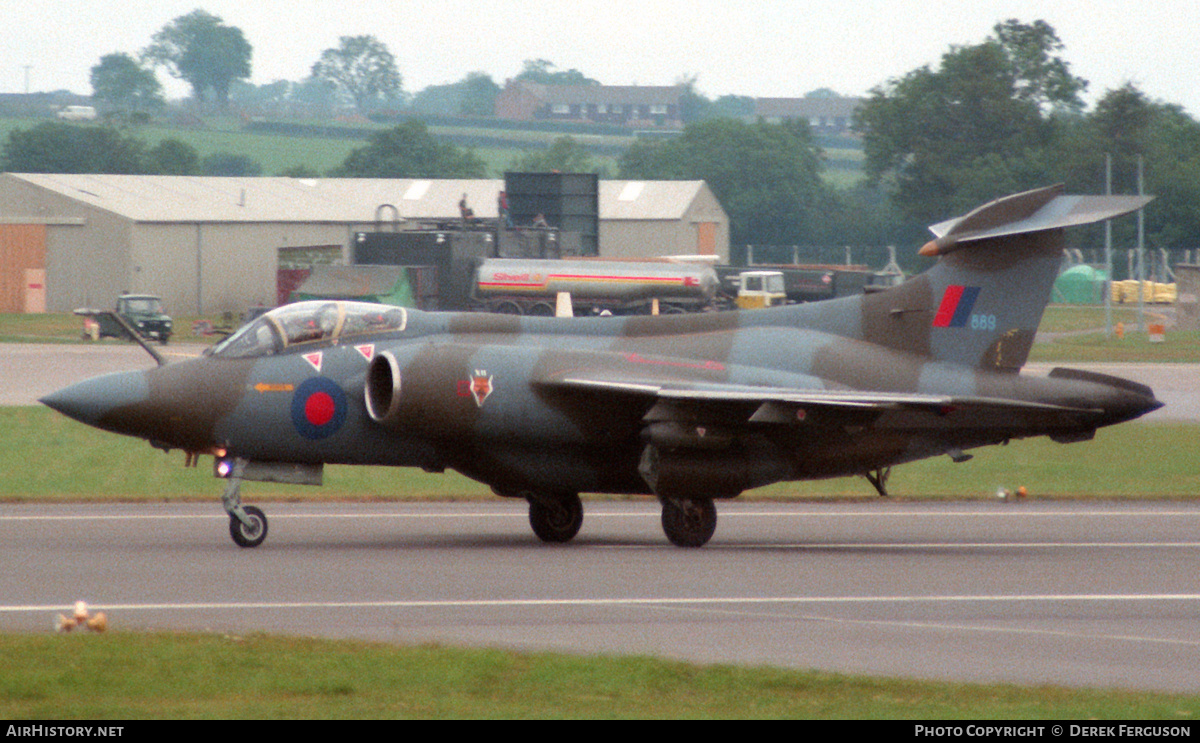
<point x="956" y="306"/>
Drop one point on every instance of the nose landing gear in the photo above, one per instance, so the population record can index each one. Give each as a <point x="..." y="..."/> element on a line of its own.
<point x="247" y="524"/>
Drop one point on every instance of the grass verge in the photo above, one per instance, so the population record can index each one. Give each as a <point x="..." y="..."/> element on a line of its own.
<point x="45" y="456"/>
<point x="125" y="676"/>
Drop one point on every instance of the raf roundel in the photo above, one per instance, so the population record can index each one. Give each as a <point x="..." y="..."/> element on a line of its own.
<point x="318" y="408"/>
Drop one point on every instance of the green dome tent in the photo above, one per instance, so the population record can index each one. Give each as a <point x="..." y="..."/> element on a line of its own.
<point x="1080" y="285"/>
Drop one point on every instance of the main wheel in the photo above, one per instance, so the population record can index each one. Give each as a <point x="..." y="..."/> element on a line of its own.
<point x="556" y="518"/>
<point x="689" y="522"/>
<point x="252" y="534"/>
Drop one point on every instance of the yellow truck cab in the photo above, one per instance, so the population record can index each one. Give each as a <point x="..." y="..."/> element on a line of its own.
<point x="760" y="289"/>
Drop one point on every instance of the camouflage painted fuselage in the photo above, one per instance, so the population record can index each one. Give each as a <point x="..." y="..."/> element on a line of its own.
<point x="702" y="405"/>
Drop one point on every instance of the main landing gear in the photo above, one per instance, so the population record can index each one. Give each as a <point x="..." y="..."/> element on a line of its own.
<point x="247" y="524"/>
<point x="556" y="518"/>
<point x="689" y="522"/>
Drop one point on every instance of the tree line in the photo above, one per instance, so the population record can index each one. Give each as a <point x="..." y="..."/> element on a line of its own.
<point x="989" y="119"/>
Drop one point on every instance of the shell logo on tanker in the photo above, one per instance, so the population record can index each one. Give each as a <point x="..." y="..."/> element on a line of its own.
<point x="510" y="279"/>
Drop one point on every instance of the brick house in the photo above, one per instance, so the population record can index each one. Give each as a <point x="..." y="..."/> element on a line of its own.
<point x="825" y="115"/>
<point x="621" y="105"/>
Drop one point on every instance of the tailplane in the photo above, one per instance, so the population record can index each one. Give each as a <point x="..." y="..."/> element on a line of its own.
<point x="981" y="304"/>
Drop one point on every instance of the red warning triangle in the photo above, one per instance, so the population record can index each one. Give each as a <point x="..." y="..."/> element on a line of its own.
<point x="314" y="359"/>
<point x="367" y="351"/>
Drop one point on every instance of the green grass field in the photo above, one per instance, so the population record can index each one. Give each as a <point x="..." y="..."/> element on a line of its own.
<point x="45" y="456"/>
<point x="498" y="148"/>
<point x="123" y="676"/>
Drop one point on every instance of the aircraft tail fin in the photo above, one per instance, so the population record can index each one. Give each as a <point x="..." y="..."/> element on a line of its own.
<point x="981" y="304"/>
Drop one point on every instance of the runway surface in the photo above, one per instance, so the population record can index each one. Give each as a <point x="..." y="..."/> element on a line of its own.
<point x="1090" y="594"/>
<point x="1082" y="594"/>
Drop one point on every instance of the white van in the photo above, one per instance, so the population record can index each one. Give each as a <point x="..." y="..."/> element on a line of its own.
<point x="77" y="113"/>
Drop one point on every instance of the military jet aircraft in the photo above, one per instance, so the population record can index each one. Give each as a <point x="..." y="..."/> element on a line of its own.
<point x="687" y="408"/>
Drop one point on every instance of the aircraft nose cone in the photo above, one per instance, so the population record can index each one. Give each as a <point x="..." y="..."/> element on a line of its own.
<point x="92" y="400"/>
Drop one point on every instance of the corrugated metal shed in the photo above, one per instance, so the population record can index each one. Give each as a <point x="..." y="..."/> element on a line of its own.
<point x="212" y="244"/>
<point x="149" y="198"/>
<point x="649" y="199"/>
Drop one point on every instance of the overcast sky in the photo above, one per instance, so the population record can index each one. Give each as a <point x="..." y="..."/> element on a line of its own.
<point x="766" y="48"/>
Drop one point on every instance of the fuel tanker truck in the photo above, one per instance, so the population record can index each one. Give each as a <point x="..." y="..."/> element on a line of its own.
<point x="531" y="286"/>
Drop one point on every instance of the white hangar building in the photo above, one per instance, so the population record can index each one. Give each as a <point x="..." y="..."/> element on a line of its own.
<point x="210" y="245"/>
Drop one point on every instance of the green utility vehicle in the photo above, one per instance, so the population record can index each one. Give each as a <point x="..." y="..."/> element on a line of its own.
<point x="144" y="313"/>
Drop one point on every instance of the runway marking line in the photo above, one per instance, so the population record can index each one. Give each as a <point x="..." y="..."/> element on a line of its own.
<point x="601" y="514"/>
<point x="628" y="601"/>
<point x="952" y="627"/>
<point x="710" y="605"/>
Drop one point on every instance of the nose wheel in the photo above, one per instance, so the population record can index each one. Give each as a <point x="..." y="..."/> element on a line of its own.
<point x="247" y="524"/>
<point x="252" y="531"/>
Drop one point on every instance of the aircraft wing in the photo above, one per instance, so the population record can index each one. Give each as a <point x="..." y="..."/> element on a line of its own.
<point x="787" y="405"/>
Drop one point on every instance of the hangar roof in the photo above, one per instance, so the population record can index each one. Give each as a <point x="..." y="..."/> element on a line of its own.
<point x="153" y="198"/>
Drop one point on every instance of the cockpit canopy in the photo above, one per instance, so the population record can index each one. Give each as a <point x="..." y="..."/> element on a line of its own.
<point x="310" y="322"/>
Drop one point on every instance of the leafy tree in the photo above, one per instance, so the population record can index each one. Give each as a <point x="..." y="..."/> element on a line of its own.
<point x="1122" y="119"/>
<point x="410" y="151"/>
<point x="230" y="164"/>
<point x="1126" y="125"/>
<point x="693" y="105"/>
<point x="734" y="106"/>
<point x="120" y="83"/>
<point x="564" y="155"/>
<point x="479" y="93"/>
<point x="202" y="50"/>
<point x="300" y="171"/>
<point x="1039" y="77"/>
<point x="54" y="147"/>
<point x="474" y="95"/>
<point x="976" y="127"/>
<point x="542" y="71"/>
<point x="172" y="157"/>
<point x="271" y="94"/>
<point x="439" y="100"/>
<point x="361" y="68"/>
<point x="767" y="176"/>
<point x="319" y="96"/>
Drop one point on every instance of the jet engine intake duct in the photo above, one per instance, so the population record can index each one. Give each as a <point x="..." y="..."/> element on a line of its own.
<point x="382" y="389"/>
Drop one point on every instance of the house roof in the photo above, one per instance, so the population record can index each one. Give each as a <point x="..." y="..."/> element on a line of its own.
<point x="150" y="198"/>
<point x="618" y="95"/>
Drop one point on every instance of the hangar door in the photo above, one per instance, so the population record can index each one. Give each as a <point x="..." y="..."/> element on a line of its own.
<point x="706" y="238"/>
<point x="22" y="268"/>
<point x="294" y="265"/>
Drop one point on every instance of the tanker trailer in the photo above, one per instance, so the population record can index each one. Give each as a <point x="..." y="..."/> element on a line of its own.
<point x="531" y="286"/>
